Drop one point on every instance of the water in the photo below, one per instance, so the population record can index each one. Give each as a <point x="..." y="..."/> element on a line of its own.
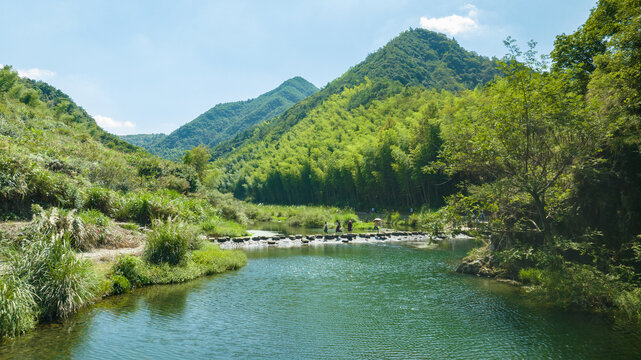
<point x="331" y="302"/>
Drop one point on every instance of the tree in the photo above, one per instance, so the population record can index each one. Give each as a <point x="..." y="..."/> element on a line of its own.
<point x="525" y="132"/>
<point x="197" y="157"/>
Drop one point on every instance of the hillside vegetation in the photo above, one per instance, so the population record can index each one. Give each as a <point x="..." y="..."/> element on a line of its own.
<point x="364" y="139"/>
<point x="415" y="57"/>
<point x="143" y="140"/>
<point x="223" y="121"/>
<point x="78" y="184"/>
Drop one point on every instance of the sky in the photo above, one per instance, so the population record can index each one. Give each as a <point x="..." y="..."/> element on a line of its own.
<point x="152" y="66"/>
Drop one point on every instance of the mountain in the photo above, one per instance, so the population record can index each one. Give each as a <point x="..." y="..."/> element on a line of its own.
<point x="416" y="57"/>
<point x="143" y="140"/>
<point x="223" y="121"/>
<point x="365" y="138"/>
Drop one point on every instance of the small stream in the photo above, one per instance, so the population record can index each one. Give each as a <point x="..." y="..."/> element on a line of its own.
<point x="331" y="302"/>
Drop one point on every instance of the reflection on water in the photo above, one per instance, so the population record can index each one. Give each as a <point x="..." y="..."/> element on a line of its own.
<point x="348" y="301"/>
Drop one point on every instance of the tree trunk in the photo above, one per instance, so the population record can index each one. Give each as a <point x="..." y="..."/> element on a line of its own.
<point x="539" y="202"/>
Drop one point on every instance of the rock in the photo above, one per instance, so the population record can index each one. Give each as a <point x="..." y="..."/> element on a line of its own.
<point x="223" y="239"/>
<point x="271" y="242"/>
<point x="470" y="267"/>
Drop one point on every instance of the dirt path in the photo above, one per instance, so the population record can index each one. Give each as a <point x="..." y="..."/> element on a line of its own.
<point x="110" y="254"/>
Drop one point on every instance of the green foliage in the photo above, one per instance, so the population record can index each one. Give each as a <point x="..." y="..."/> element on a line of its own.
<point x="215" y="261"/>
<point x="363" y="140"/>
<point x="531" y="276"/>
<point x="169" y="242"/>
<point x="121" y="284"/>
<point x="629" y="305"/>
<point x="61" y="282"/>
<point x="362" y="157"/>
<point x="197" y="158"/>
<point x="83" y="232"/>
<point x="207" y="260"/>
<point x="101" y="199"/>
<point x="133" y="269"/>
<point x="580" y="286"/>
<point x="223" y="121"/>
<point x="143" y="140"/>
<point x="221" y="227"/>
<point x="18" y="309"/>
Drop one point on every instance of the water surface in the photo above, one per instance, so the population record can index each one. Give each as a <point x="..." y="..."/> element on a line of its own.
<point x="330" y="302"/>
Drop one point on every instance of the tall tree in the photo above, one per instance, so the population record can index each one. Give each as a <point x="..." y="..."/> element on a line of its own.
<point x="524" y="132"/>
<point x="198" y="157"/>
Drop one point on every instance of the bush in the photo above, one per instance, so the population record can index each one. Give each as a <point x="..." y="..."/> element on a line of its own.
<point x="580" y="286"/>
<point x="133" y="269"/>
<point x="169" y="242"/>
<point x="62" y="283"/>
<point x="121" y="284"/>
<point x="18" y="311"/>
<point x="531" y="276"/>
<point x="102" y="199"/>
<point x="629" y="305"/>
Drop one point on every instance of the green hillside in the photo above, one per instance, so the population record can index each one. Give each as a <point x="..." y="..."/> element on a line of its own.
<point x="52" y="153"/>
<point x="223" y="121"/>
<point x="143" y="140"/>
<point x="349" y="143"/>
<point x="415" y="57"/>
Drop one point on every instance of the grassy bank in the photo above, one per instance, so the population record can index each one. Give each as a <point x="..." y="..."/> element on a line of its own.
<point x="44" y="279"/>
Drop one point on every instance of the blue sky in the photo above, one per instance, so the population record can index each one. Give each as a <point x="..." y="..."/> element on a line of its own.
<point x="151" y="66"/>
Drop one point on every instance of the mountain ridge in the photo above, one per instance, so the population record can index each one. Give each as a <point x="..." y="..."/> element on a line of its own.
<point x="226" y="119"/>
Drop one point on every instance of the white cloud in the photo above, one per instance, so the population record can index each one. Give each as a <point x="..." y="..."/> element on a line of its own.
<point x="453" y="24"/>
<point x="36" y="74"/>
<point x="108" y="123"/>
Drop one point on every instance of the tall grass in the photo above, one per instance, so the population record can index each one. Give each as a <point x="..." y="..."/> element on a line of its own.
<point x="61" y="282"/>
<point x="208" y="260"/>
<point x="18" y="309"/>
<point x="170" y="241"/>
<point x="216" y="226"/>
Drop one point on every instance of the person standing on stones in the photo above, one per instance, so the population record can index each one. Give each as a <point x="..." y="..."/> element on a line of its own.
<point x="339" y="229"/>
<point x="325" y="228"/>
<point x="349" y="226"/>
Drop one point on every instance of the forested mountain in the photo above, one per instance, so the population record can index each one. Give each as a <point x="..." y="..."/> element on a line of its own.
<point x="143" y="140"/>
<point x="223" y="121"/>
<point x="351" y="142"/>
<point x="415" y="57"/>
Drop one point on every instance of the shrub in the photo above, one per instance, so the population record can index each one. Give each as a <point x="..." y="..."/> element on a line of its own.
<point x="121" y="284"/>
<point x="169" y="242"/>
<point x="18" y="312"/>
<point x="175" y="183"/>
<point x="580" y="286"/>
<point x="62" y="283"/>
<point x="629" y="304"/>
<point x="133" y="269"/>
<point x="531" y="276"/>
<point x="101" y="199"/>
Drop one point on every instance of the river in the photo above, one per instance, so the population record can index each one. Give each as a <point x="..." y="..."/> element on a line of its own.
<point x="330" y="302"/>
